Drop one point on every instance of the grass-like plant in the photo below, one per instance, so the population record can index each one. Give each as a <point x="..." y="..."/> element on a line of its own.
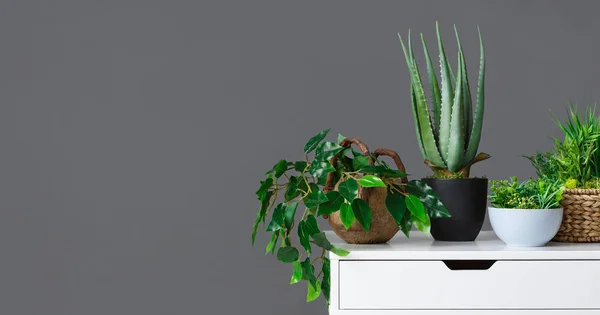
<point x="449" y="136"/>
<point x="578" y="154"/>
<point x="543" y="193"/>
<point x="545" y="164"/>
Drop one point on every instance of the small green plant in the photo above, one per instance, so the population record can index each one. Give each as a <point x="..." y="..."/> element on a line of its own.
<point x="545" y="164"/>
<point x="449" y="137"/>
<point x="578" y="154"/>
<point x="540" y="193"/>
<point x="289" y="185"/>
<point x="590" y="184"/>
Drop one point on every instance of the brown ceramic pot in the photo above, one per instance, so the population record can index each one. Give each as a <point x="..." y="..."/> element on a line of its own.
<point x="383" y="226"/>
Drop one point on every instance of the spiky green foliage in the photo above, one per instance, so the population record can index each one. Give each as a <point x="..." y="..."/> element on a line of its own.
<point x="543" y="193"/>
<point x="578" y="154"/>
<point x="545" y="164"/>
<point x="449" y="138"/>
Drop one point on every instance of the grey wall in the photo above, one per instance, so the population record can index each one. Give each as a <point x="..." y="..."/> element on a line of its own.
<point x="133" y="133"/>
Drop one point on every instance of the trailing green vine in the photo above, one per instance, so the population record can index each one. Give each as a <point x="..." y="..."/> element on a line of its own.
<point x="290" y="184"/>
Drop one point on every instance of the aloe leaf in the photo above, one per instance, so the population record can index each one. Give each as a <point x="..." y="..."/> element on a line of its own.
<point x="466" y="93"/>
<point x="436" y="94"/>
<point x="447" y="97"/>
<point x="457" y="140"/>
<point x="409" y="60"/>
<point x="429" y="145"/>
<point x="413" y="101"/>
<point x="478" y="120"/>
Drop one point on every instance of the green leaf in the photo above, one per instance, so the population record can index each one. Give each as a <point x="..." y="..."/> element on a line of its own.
<point x="321" y="181"/>
<point x="280" y="168"/>
<point x="376" y="169"/>
<point x="288" y="215"/>
<point x="265" y="206"/>
<point x="296" y="272"/>
<point x="344" y="162"/>
<point x="421" y="111"/>
<point x="333" y="204"/>
<point x="302" y="184"/>
<point x="447" y="97"/>
<point x="436" y="95"/>
<point x="383" y="171"/>
<point x="416" y="208"/>
<point x="355" y="153"/>
<point x="313" y="292"/>
<point x="424" y="227"/>
<point x="315" y="197"/>
<point x="340" y="138"/>
<point x="272" y="243"/>
<point x="346" y="215"/>
<point x="325" y="285"/>
<point x="478" y="120"/>
<point x="291" y="190"/>
<point x="362" y="213"/>
<point x="466" y="95"/>
<point x="308" y="272"/>
<point x="287" y="240"/>
<point x="320" y="168"/>
<point x="277" y="218"/>
<point x="340" y="251"/>
<point x="262" y="213"/>
<point x="261" y="193"/>
<point x="327" y="150"/>
<point x="348" y="189"/>
<point x="396" y="206"/>
<point x="287" y="254"/>
<point x="406" y="224"/>
<point x="304" y="237"/>
<point x="360" y="161"/>
<point x="314" y="141"/>
<point x="456" y="144"/>
<point x="311" y="227"/>
<point x="321" y="240"/>
<point x="371" y="181"/>
<point x="300" y="166"/>
<point x="255" y="229"/>
<point x="435" y="208"/>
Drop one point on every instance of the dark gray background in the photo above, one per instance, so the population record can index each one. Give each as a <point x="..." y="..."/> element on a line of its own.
<point x="133" y="133"/>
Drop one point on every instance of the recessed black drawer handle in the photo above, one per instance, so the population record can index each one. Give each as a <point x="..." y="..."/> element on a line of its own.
<point x="469" y="264"/>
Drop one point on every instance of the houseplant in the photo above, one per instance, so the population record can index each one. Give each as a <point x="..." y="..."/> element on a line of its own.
<point x="344" y="185"/>
<point x="448" y="136"/>
<point x="577" y="160"/>
<point x="526" y="213"/>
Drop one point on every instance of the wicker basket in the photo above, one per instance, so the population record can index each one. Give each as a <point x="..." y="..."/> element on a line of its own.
<point x="383" y="225"/>
<point x="581" y="217"/>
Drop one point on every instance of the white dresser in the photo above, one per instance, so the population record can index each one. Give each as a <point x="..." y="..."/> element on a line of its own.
<point x="421" y="276"/>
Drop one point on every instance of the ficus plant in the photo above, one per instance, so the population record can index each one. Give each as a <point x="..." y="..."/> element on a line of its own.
<point x="449" y="133"/>
<point x="293" y="194"/>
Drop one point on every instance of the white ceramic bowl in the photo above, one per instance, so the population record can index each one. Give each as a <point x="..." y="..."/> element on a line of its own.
<point x="525" y="227"/>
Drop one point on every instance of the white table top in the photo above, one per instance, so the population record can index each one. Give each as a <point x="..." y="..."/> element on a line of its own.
<point x="487" y="246"/>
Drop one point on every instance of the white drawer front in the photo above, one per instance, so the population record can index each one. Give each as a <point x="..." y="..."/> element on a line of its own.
<point x="397" y="285"/>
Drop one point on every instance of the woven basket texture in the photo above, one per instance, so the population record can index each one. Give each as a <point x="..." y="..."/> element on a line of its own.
<point x="581" y="218"/>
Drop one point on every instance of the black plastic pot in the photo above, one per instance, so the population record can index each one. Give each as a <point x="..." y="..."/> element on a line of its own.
<point x="466" y="200"/>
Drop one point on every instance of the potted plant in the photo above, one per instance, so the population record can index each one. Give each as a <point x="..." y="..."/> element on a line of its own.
<point x="448" y="134"/>
<point x="365" y="200"/>
<point x="526" y="213"/>
<point x="576" y="159"/>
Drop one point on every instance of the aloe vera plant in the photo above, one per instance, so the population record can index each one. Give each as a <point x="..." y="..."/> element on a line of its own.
<point x="449" y="133"/>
